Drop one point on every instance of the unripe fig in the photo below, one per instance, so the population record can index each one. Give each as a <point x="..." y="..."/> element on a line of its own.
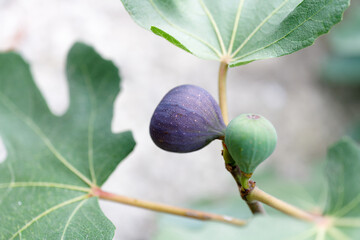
<point x="250" y="139"/>
<point x="187" y="119"/>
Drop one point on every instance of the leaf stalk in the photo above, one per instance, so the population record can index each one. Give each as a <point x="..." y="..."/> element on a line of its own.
<point x="222" y="91"/>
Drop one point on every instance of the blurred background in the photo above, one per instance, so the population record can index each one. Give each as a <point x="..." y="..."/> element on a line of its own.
<point x="312" y="97"/>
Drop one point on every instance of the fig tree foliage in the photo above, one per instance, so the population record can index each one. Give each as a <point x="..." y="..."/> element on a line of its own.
<point x="52" y="161"/>
<point x="238" y="31"/>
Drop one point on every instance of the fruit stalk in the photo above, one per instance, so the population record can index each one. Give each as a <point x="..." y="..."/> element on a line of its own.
<point x="230" y="165"/>
<point x="222" y="91"/>
<point x="254" y="206"/>
<point x="190" y="213"/>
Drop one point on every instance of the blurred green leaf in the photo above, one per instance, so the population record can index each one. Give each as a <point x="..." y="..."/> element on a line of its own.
<point x="343" y="173"/>
<point x="354" y="132"/>
<point x="345" y="38"/>
<point x="53" y="161"/>
<point x="241" y="31"/>
<point x="344" y="70"/>
<point x="259" y="228"/>
<point x="343" y="63"/>
<point x="342" y="220"/>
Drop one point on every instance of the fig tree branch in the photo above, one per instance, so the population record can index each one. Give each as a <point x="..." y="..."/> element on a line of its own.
<point x="258" y="195"/>
<point x="190" y="213"/>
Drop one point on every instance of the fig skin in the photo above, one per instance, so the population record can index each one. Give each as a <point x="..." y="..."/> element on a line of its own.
<point x="250" y="139"/>
<point x="187" y="119"/>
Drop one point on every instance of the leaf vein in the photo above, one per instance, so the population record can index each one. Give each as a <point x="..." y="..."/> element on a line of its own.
<point x="236" y="24"/>
<point x="276" y="10"/>
<point x="337" y="234"/>
<point x="91" y="125"/>
<point x="71" y="217"/>
<point x="214" y="25"/>
<point x="43" y="184"/>
<point x="347" y="222"/>
<point x="48" y="211"/>
<point x="278" y="40"/>
<point x="348" y="207"/>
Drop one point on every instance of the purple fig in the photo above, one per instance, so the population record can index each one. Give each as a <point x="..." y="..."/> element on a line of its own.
<point x="187" y="119"/>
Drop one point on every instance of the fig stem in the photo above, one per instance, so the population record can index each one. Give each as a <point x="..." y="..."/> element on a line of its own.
<point x="230" y="165"/>
<point x="222" y="91"/>
<point x="252" y="195"/>
<point x="258" y="195"/>
<point x="189" y="213"/>
<point x="244" y="182"/>
<point x="256" y="207"/>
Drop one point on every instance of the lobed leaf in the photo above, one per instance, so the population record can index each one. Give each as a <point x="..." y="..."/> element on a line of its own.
<point x="342" y="64"/>
<point x="53" y="161"/>
<point x="238" y="31"/>
<point x="343" y="206"/>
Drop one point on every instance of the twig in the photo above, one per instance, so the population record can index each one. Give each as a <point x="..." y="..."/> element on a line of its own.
<point x="190" y="213"/>
<point x="258" y="195"/>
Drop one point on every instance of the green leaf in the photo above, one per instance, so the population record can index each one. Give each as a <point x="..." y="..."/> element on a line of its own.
<point x="345" y="37"/>
<point x="354" y="131"/>
<point x="342" y="212"/>
<point x="343" y="168"/>
<point x="341" y="70"/>
<point x="53" y="161"/>
<point x="239" y="31"/>
<point x="268" y="228"/>
<point x="343" y="64"/>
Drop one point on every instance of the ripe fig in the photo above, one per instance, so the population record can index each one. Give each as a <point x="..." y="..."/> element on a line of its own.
<point x="187" y="119"/>
<point x="250" y="139"/>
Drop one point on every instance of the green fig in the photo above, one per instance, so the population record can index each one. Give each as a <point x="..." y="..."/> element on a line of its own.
<point x="250" y="139"/>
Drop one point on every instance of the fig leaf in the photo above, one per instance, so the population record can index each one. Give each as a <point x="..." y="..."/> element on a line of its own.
<point x="52" y="161"/>
<point x="240" y="31"/>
